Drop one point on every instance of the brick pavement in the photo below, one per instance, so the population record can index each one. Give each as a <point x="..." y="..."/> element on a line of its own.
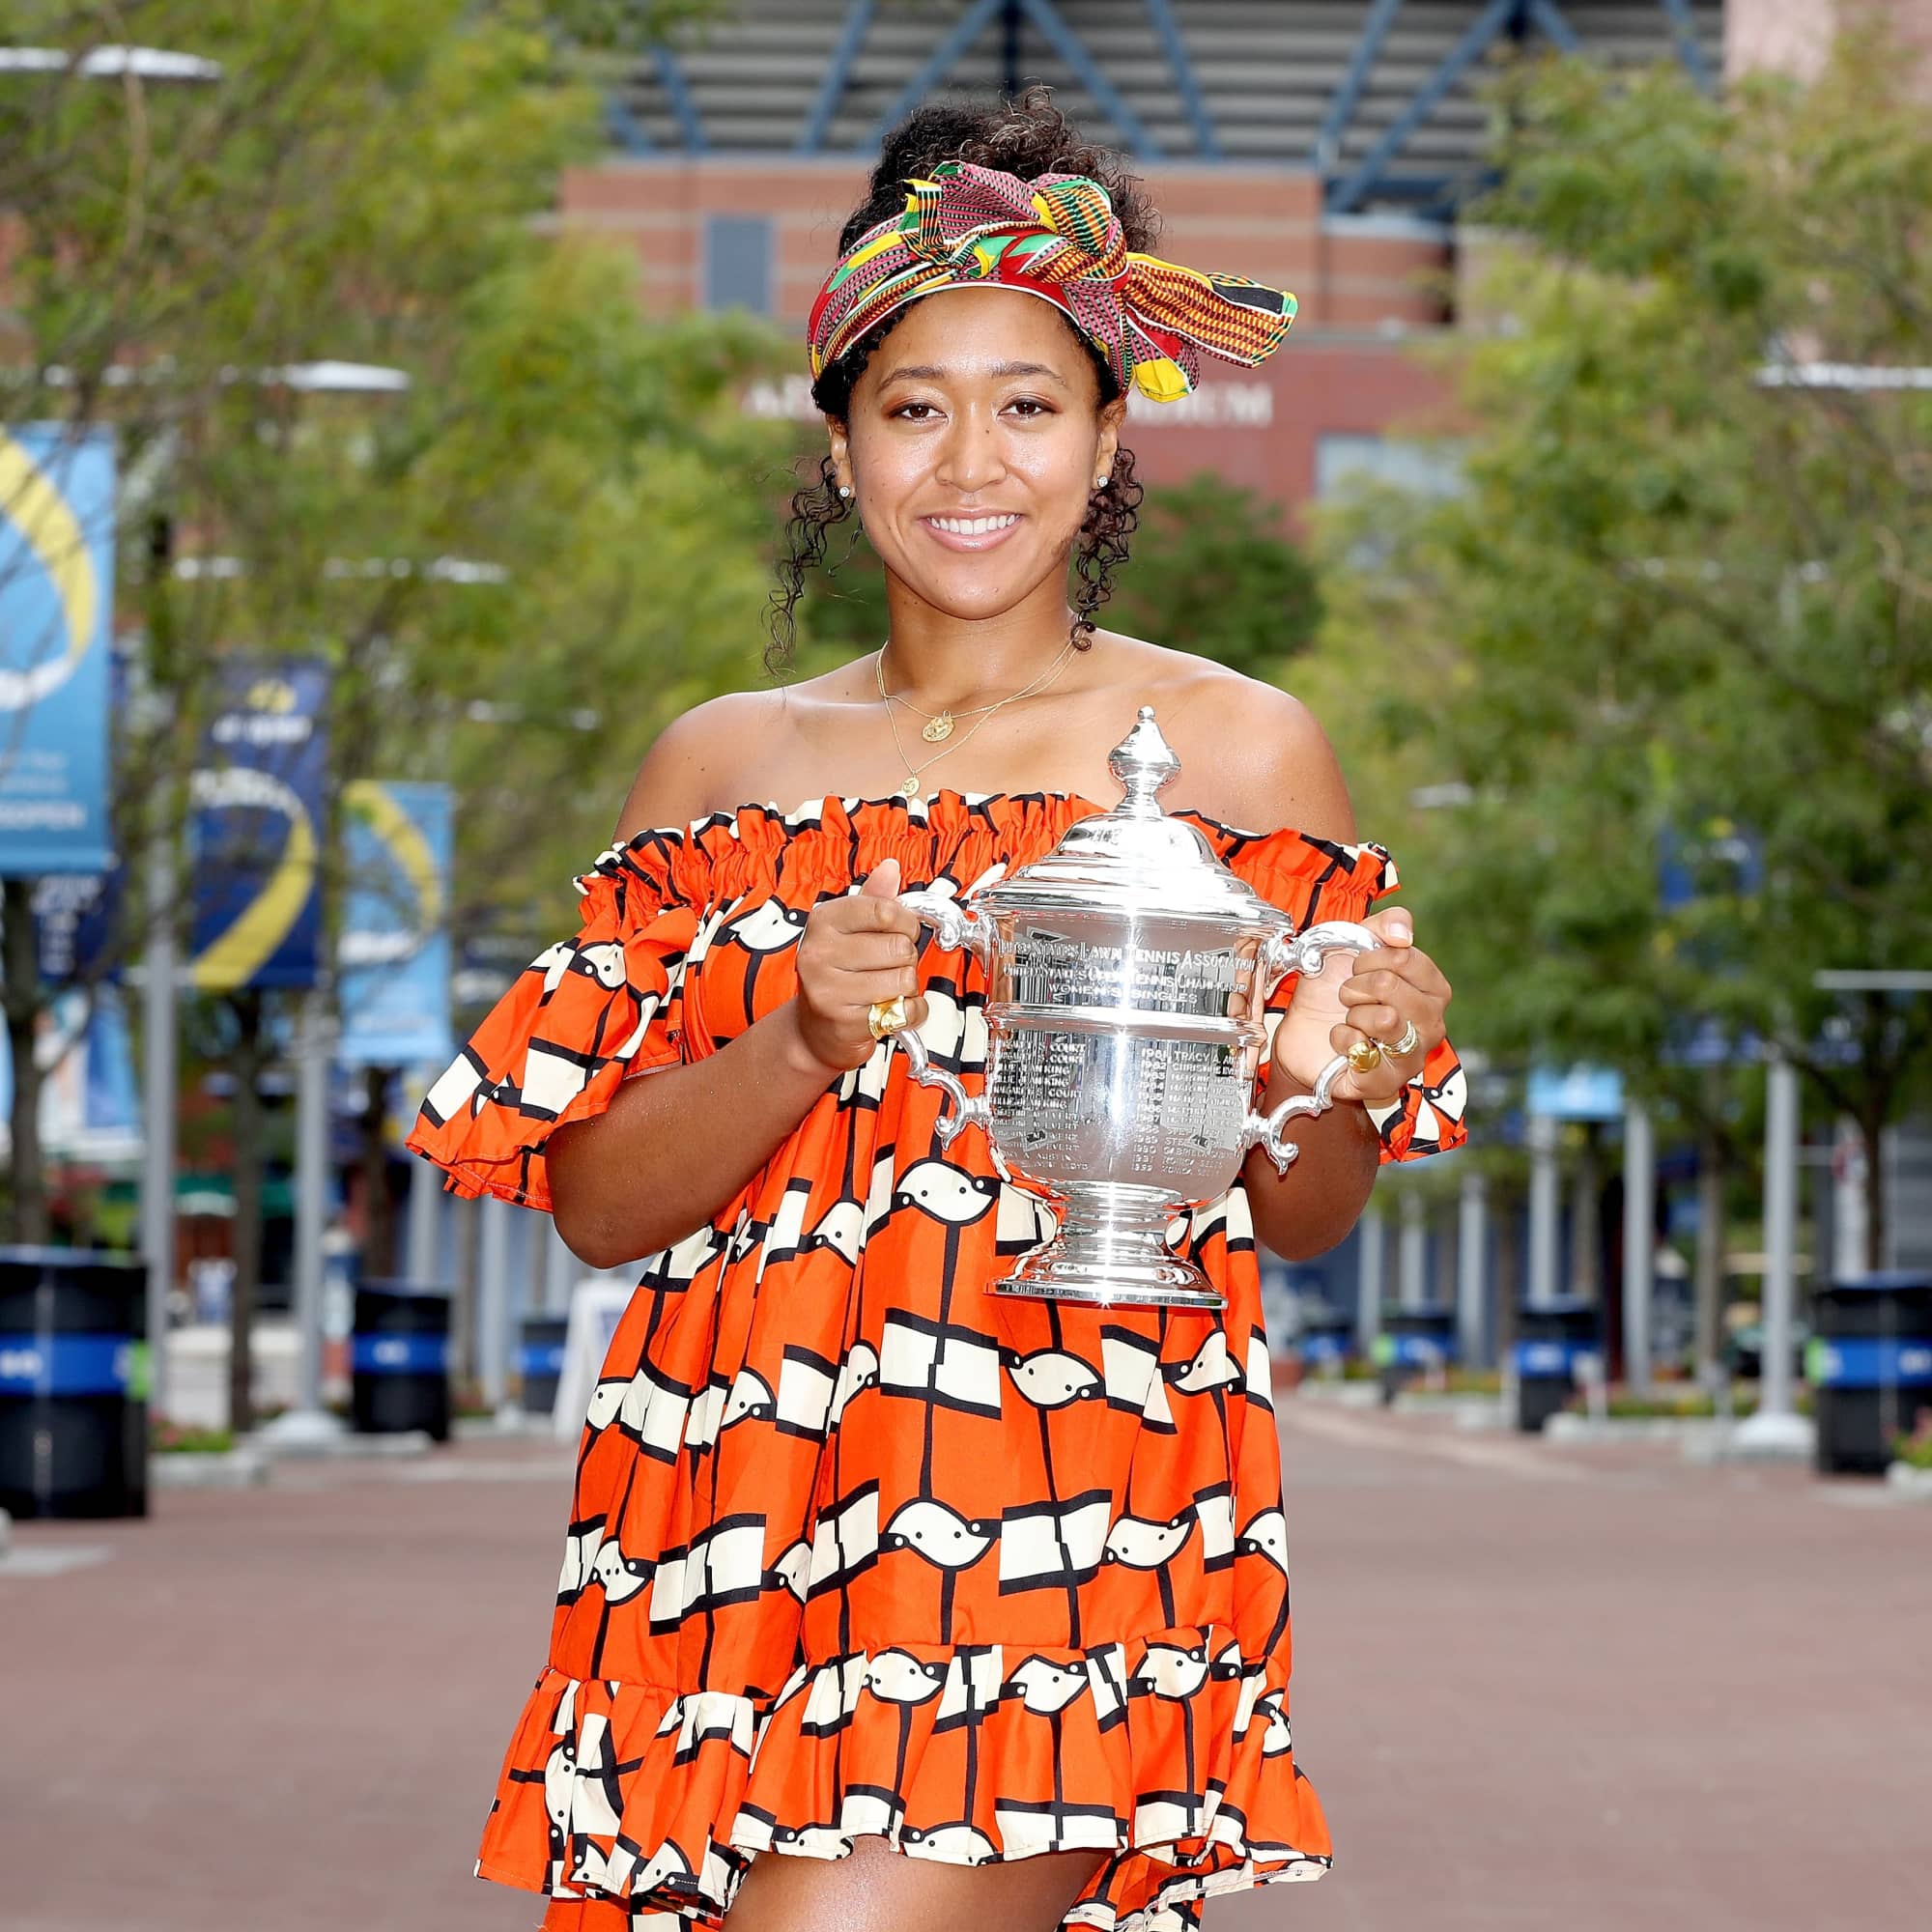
<point x="1577" y="1689"/>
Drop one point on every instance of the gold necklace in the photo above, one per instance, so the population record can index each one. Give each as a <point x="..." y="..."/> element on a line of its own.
<point x="909" y="785"/>
<point x="939" y="723"/>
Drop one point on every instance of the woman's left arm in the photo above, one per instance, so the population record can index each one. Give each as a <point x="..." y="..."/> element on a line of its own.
<point x="1358" y="996"/>
<point x="1284" y="773"/>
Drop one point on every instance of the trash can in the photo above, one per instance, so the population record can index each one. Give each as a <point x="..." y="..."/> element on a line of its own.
<point x="73" y="1383"/>
<point x="540" y="1360"/>
<point x="1869" y="1364"/>
<point x="1324" y="1341"/>
<point x="399" y="1359"/>
<point x="1413" y="1342"/>
<point x="1551" y="1338"/>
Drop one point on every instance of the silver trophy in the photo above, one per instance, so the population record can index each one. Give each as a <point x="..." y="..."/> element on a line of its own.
<point x="1126" y="972"/>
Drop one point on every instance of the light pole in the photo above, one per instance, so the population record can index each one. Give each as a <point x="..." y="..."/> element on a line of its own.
<point x="1639" y="1242"/>
<point x="309" y="1425"/>
<point x="1776" y="1429"/>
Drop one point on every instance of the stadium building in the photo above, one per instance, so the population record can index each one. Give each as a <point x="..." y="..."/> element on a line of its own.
<point x="1325" y="148"/>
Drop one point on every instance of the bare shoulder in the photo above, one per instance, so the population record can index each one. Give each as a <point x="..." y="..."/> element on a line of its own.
<point x="1251" y="753"/>
<point x="696" y="764"/>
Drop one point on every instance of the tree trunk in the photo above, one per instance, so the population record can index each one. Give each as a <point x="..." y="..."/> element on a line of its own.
<point x="1509" y="1204"/>
<point x="1871" y="1125"/>
<point x="1586" y="1274"/>
<point x="462" y="1308"/>
<point x="245" y="1064"/>
<point x="23" y="952"/>
<point x="1707" y="1270"/>
<point x="378" y="1222"/>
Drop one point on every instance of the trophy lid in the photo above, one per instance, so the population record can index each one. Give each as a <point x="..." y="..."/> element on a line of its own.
<point x="1135" y="859"/>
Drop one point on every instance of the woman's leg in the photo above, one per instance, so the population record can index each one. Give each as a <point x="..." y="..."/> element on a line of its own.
<point x="879" y="1888"/>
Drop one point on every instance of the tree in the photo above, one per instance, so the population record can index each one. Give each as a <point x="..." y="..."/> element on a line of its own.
<point x="517" y="565"/>
<point x="1214" y="571"/>
<point x="1680" y="605"/>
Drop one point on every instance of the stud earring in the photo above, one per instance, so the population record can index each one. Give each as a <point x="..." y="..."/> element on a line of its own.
<point x="1100" y="482"/>
<point x="845" y="489"/>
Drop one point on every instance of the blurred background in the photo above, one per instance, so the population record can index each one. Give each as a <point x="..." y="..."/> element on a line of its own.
<point x="400" y="403"/>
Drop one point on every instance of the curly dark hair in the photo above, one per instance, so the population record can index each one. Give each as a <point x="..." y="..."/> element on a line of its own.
<point x="1028" y="137"/>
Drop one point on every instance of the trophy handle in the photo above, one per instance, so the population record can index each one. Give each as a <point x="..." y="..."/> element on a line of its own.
<point x="1266" y="1129"/>
<point x="953" y="924"/>
<point x="1304" y="951"/>
<point x="968" y="1111"/>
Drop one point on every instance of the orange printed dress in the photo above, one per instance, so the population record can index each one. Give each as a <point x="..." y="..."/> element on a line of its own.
<point x="855" y="1546"/>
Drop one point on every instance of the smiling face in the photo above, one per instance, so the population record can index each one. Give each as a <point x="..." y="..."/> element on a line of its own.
<point x="980" y="412"/>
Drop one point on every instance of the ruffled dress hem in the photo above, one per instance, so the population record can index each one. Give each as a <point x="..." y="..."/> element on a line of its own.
<point x="858" y="1746"/>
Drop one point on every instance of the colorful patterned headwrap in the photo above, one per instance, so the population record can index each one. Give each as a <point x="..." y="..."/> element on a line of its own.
<point x="1060" y="239"/>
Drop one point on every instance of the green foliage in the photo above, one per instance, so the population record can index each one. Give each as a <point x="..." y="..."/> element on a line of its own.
<point x="1673" y="596"/>
<point x="1671" y="1404"/>
<point x="1915" y="1450"/>
<point x="1211" y="570"/>
<point x="519" y="566"/>
<point x="166" y="1437"/>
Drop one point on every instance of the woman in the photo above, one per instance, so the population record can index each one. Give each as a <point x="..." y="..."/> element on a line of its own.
<point x="979" y="1605"/>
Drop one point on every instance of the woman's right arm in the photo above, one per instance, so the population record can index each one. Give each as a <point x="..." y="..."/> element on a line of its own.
<point x="676" y="1144"/>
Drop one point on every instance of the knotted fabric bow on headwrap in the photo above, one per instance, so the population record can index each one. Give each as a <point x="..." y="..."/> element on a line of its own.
<point x="1060" y="239"/>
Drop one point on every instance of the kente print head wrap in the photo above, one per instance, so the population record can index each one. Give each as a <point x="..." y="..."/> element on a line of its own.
<point x="1060" y="239"/>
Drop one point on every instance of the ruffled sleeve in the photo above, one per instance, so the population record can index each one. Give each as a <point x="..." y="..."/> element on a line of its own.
<point x="585" y="1012"/>
<point x="1316" y="880"/>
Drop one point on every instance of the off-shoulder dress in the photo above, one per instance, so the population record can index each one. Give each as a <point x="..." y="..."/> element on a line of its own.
<point x="855" y="1546"/>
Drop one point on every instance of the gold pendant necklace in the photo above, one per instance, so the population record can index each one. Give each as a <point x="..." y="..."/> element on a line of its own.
<point x="939" y="723"/>
<point x="909" y="785"/>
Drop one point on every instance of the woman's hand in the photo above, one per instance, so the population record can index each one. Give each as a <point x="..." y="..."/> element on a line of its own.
<point x="1362" y="996"/>
<point x="855" y="950"/>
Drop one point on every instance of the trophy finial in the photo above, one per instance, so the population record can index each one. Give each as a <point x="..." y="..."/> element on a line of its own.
<point x="1145" y="764"/>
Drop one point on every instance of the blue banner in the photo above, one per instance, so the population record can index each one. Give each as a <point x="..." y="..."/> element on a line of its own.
<point x="90" y="1107"/>
<point x="60" y="1364"/>
<point x="399" y="1354"/>
<point x="56" y="617"/>
<point x="1719" y="857"/>
<point x="76" y="914"/>
<point x="1577" y="1093"/>
<point x="394" y="950"/>
<point x="256" y="829"/>
<point x="1869" y="1362"/>
<point x="73" y="916"/>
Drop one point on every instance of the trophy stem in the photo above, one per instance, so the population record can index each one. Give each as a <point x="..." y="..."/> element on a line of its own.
<point x="1111" y="1250"/>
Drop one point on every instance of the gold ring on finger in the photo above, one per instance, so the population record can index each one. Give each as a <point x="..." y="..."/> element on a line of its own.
<point x="884" y="1016"/>
<point x="1366" y="1055"/>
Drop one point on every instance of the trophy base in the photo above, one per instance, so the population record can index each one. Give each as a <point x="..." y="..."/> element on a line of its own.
<point x="1118" y="1266"/>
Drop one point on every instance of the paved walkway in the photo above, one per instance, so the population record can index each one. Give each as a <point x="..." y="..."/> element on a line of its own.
<point x="1568" y="1690"/>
